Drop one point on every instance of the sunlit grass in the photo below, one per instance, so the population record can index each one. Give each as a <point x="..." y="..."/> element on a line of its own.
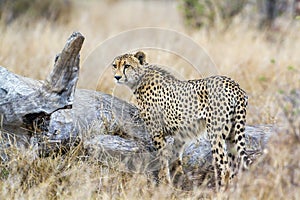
<point x="266" y="65"/>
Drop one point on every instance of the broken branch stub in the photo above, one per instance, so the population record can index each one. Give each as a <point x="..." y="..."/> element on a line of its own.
<point x="24" y="100"/>
<point x="64" y="76"/>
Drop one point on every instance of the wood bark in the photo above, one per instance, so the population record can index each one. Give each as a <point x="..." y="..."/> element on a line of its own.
<point x="51" y="114"/>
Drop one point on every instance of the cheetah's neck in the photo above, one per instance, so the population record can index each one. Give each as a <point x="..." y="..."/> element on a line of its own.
<point x="151" y="74"/>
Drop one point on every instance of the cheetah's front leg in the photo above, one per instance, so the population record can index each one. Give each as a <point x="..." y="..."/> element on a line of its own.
<point x="163" y="155"/>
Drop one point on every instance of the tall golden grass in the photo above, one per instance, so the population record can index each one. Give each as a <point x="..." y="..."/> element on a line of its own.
<point x="266" y="64"/>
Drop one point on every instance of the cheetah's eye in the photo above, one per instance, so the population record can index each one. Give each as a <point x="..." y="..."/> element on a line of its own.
<point x="114" y="65"/>
<point x="126" y="66"/>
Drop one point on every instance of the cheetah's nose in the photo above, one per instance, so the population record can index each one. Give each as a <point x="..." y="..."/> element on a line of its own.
<point x="118" y="77"/>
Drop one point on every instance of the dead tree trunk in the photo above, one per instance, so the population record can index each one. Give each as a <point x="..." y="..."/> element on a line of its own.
<point x="50" y="114"/>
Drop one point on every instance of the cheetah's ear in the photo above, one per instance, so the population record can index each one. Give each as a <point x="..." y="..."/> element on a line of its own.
<point x="141" y="56"/>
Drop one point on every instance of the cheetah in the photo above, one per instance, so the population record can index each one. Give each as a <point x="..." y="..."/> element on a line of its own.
<point x="186" y="109"/>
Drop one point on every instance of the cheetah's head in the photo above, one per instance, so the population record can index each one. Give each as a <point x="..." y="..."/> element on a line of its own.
<point x="128" y="68"/>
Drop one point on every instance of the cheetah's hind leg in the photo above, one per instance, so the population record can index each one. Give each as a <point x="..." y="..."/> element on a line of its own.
<point x="238" y="157"/>
<point x="217" y="134"/>
<point x="243" y="159"/>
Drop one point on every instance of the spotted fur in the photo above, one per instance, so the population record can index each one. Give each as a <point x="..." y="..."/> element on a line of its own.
<point x="186" y="109"/>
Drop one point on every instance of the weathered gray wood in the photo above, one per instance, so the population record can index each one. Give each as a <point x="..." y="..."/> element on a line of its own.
<point x="22" y="100"/>
<point x="95" y="118"/>
<point x="110" y="129"/>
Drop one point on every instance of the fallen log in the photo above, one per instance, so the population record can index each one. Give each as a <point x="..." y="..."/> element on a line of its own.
<point x="52" y="114"/>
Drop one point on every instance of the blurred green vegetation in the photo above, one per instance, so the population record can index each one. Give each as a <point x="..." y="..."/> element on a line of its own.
<point x="212" y="13"/>
<point x="205" y="13"/>
<point x="51" y="10"/>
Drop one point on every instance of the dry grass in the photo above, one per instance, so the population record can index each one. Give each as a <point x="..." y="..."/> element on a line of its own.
<point x="267" y="66"/>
